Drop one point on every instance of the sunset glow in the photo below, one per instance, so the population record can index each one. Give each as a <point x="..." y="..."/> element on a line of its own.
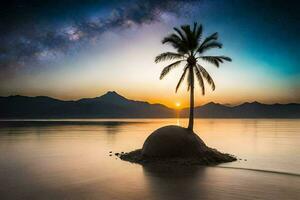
<point x="149" y="99"/>
<point x="88" y="63"/>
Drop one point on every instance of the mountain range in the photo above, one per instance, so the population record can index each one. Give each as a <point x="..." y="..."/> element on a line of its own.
<point x="113" y="105"/>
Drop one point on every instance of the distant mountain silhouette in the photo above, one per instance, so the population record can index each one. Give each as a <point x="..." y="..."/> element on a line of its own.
<point x="247" y="110"/>
<point x="109" y="105"/>
<point x="113" y="105"/>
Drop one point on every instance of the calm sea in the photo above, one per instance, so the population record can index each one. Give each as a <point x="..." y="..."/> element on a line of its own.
<point x="69" y="159"/>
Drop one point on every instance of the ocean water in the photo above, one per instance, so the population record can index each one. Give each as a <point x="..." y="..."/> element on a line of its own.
<point x="69" y="159"/>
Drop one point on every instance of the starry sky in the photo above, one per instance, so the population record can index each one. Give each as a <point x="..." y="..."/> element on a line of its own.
<point x="71" y="49"/>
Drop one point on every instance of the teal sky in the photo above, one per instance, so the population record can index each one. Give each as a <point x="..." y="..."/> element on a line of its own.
<point x="99" y="46"/>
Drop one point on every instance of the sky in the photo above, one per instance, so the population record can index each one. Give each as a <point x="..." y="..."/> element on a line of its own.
<point x="73" y="49"/>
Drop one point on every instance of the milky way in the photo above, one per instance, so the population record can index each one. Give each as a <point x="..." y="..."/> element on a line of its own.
<point x="39" y="34"/>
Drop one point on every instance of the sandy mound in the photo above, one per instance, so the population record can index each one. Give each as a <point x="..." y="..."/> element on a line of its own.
<point x="174" y="144"/>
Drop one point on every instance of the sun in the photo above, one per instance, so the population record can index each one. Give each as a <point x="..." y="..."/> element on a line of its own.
<point x="177" y="104"/>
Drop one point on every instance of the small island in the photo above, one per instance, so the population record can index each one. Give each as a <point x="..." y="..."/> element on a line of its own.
<point x="175" y="144"/>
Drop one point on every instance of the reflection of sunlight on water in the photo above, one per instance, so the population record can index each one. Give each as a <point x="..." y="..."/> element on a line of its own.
<point x="71" y="160"/>
<point x="178" y="121"/>
<point x="178" y="117"/>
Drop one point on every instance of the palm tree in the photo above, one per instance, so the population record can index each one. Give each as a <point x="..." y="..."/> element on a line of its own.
<point x="190" y="49"/>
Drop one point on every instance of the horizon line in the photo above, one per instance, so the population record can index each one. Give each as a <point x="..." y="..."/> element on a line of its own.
<point x="113" y="91"/>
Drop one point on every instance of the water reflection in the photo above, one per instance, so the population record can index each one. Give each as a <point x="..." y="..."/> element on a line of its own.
<point x="114" y="127"/>
<point x="70" y="160"/>
<point x="45" y="123"/>
<point x="216" y="183"/>
<point x="169" y="182"/>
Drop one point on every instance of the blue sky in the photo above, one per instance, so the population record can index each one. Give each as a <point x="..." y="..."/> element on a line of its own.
<point x="75" y="49"/>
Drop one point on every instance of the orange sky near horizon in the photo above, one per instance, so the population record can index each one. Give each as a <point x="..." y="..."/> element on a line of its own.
<point x="131" y="72"/>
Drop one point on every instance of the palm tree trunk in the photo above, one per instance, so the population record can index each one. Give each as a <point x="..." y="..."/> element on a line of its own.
<point x="191" y="118"/>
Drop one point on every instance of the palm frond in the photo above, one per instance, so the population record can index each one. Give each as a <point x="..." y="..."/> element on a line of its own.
<point x="215" y="60"/>
<point x="187" y="30"/>
<point x="178" y="31"/>
<point x="168" y="56"/>
<point x="189" y="48"/>
<point x="167" y="69"/>
<point x="209" y="45"/>
<point x="225" y="58"/>
<point x="174" y="40"/>
<point x="200" y="80"/>
<point x="195" y="27"/>
<point x="207" y="77"/>
<point x="212" y="38"/>
<point x="181" y="78"/>
<point x="192" y="41"/>
<point x="198" y="32"/>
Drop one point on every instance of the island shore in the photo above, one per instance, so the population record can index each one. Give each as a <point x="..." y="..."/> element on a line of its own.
<point x="176" y="145"/>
